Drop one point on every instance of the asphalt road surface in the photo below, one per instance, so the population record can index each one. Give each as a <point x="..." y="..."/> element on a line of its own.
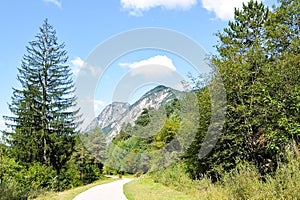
<point x="108" y="191"/>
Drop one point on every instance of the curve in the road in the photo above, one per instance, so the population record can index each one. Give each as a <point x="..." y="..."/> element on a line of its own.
<point x="108" y="191"/>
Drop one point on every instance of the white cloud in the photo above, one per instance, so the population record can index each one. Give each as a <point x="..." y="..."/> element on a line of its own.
<point x="137" y="7"/>
<point x="98" y="105"/>
<point x="156" y="60"/>
<point x="77" y="64"/>
<point x="55" y="2"/>
<point x="223" y="9"/>
<point x="80" y="66"/>
<point x="159" y="65"/>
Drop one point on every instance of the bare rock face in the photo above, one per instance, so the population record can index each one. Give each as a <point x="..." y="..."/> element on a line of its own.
<point x="117" y="115"/>
<point x="108" y="116"/>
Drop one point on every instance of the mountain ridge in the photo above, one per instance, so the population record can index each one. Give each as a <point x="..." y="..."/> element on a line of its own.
<point x="117" y="115"/>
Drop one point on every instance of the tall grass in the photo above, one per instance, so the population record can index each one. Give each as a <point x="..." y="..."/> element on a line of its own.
<point x="244" y="182"/>
<point x="144" y="188"/>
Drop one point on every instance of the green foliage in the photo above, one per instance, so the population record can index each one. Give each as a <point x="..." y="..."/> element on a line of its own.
<point x="19" y="182"/>
<point x="44" y="122"/>
<point x="173" y="110"/>
<point x="95" y="143"/>
<point x="132" y="149"/>
<point x="242" y="182"/>
<point x="9" y="186"/>
<point x="166" y="134"/>
<point x="82" y="168"/>
<point x="174" y="176"/>
<point x="260" y="71"/>
<point x="195" y="166"/>
<point x="11" y="190"/>
<point x="144" y="118"/>
<point x="124" y="155"/>
<point x="122" y="136"/>
<point x="240" y="64"/>
<point x="258" y="60"/>
<point x="36" y="178"/>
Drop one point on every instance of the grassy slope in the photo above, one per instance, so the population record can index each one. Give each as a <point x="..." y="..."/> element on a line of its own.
<point x="144" y="188"/>
<point x="70" y="194"/>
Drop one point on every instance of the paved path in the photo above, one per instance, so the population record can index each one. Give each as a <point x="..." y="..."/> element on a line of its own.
<point x="108" y="191"/>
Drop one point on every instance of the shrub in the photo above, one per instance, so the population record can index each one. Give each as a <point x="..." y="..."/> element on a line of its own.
<point x="12" y="190"/>
<point x="243" y="182"/>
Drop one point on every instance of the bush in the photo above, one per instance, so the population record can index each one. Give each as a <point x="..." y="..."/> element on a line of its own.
<point x="19" y="182"/>
<point x="12" y="190"/>
<point x="286" y="181"/>
<point x="10" y="187"/>
<point x="175" y="177"/>
<point x="243" y="182"/>
<point x="74" y="175"/>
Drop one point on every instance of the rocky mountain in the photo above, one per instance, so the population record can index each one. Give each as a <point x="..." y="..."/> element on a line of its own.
<point x="117" y="115"/>
<point x="109" y="115"/>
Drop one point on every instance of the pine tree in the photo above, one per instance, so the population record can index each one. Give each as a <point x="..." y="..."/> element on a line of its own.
<point x="44" y="121"/>
<point x="95" y="142"/>
<point x="241" y="57"/>
<point x="241" y="62"/>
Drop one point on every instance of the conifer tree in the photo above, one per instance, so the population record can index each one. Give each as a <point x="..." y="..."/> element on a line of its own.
<point x="240" y="61"/>
<point x="45" y="120"/>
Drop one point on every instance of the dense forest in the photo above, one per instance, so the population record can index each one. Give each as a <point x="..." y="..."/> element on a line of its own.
<point x="258" y="59"/>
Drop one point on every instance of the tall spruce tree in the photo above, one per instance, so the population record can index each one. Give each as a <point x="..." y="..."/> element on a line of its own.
<point x="45" y="120"/>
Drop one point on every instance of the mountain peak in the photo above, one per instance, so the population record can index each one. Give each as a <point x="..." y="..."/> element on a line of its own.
<point x="118" y="114"/>
<point x="108" y="115"/>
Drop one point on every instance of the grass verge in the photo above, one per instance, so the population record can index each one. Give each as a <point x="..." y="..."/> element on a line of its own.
<point x="243" y="182"/>
<point x="144" y="188"/>
<point x="71" y="193"/>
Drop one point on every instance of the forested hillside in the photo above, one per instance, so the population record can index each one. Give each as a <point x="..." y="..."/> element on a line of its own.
<point x="258" y="61"/>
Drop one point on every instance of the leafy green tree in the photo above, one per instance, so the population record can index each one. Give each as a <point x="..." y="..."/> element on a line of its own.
<point x="173" y="108"/>
<point x="167" y="133"/>
<point x="241" y="57"/>
<point x="95" y="143"/>
<point x="194" y="165"/>
<point x="83" y="167"/>
<point x="260" y="67"/>
<point x="144" y="118"/>
<point x="281" y="89"/>
<point x="283" y="29"/>
<point x="44" y="121"/>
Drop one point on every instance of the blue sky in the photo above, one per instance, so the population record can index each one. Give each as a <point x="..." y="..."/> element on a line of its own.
<point x="83" y="25"/>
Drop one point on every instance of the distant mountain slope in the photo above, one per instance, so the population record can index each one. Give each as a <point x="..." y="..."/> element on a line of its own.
<point x="117" y="115"/>
<point x="109" y="115"/>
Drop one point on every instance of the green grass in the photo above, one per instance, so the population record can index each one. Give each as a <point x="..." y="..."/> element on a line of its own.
<point x="144" y="188"/>
<point x="71" y="193"/>
<point x="244" y="182"/>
